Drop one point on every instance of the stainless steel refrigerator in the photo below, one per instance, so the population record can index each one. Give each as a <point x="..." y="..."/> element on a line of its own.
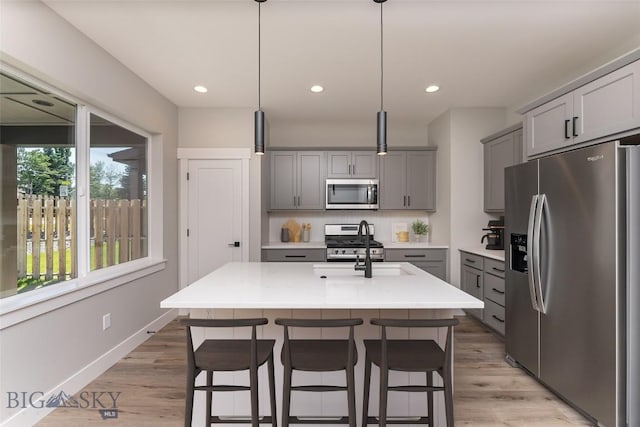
<point x="572" y="245"/>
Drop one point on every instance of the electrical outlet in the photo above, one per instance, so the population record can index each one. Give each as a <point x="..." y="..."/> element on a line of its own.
<point x="106" y="321"/>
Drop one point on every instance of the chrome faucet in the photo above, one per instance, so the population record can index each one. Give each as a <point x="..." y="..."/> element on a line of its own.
<point x="366" y="267"/>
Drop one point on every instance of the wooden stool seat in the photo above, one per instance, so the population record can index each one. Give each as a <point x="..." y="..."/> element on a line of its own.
<point x="319" y="356"/>
<point x="419" y="355"/>
<point x="221" y="355"/>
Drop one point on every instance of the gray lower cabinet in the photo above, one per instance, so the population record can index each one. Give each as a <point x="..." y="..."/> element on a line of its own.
<point x="294" y="255"/>
<point x="408" y="180"/>
<point x="501" y="150"/>
<point x="432" y="261"/>
<point x="352" y="164"/>
<point x="297" y="180"/>
<point x="484" y="279"/>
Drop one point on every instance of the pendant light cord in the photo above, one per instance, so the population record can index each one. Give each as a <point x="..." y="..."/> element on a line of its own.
<point x="381" y="62"/>
<point x="259" y="41"/>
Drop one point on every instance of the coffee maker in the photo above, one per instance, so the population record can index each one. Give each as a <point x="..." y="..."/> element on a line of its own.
<point x="495" y="235"/>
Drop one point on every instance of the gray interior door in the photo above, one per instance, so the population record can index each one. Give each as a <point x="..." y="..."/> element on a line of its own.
<point x="521" y="325"/>
<point x="578" y="269"/>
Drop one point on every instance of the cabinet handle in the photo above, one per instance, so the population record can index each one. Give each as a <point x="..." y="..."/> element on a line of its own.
<point x="477" y="281"/>
<point x="415" y="256"/>
<point x="295" y="256"/>
<point x="353" y="169"/>
<point x="566" y="129"/>
<point x="299" y="203"/>
<point x="575" y="121"/>
<point x="405" y="201"/>
<point x="498" y="270"/>
<point x="498" y="291"/>
<point x="408" y="200"/>
<point x="473" y="261"/>
<point x="294" y="200"/>
<point x="349" y="169"/>
<point x="497" y="318"/>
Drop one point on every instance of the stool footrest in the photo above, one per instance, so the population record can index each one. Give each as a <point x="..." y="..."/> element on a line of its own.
<point x="318" y="420"/>
<point x="319" y="388"/>
<point x="400" y="420"/>
<point x="415" y="388"/>
<point x="216" y="419"/>
<point x="222" y="388"/>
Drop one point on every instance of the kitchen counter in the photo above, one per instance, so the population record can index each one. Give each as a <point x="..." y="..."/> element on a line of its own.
<point x="295" y="245"/>
<point x="414" y="245"/>
<point x="498" y="255"/>
<point x="277" y="285"/>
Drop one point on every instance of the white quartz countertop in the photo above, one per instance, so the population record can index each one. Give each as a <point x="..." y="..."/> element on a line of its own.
<point x="487" y="253"/>
<point x="413" y="245"/>
<point x="295" y="245"/>
<point x="292" y="285"/>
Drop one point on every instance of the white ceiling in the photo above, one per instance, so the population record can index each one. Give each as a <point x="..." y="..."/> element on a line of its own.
<point x="482" y="53"/>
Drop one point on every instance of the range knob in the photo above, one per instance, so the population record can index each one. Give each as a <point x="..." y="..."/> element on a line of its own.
<point x="343" y="251"/>
<point x="335" y="251"/>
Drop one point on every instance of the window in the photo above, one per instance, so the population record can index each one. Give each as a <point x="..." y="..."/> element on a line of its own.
<point x="118" y="194"/>
<point x="52" y="230"/>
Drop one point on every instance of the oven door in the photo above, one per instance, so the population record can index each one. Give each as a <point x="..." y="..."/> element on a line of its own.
<point x="352" y="194"/>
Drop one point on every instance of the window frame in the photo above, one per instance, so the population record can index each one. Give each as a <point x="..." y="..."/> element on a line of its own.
<point x="20" y="307"/>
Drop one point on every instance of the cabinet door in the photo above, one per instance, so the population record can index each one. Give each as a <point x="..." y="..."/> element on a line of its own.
<point x="364" y="164"/>
<point x="498" y="154"/>
<point x="421" y="180"/>
<point x="393" y="180"/>
<point x="338" y="164"/>
<point x="549" y="126"/>
<point x="283" y="179"/>
<point x="311" y="180"/>
<point x="471" y="283"/>
<point x="608" y="105"/>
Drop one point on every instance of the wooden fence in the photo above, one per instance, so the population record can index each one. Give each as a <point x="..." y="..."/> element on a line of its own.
<point x="47" y="231"/>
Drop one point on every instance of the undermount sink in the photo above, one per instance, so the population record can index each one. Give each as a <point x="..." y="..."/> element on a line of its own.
<point x="329" y="270"/>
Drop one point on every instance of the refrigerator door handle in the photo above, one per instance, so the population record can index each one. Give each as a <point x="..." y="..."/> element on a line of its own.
<point x="542" y="200"/>
<point x="531" y="252"/>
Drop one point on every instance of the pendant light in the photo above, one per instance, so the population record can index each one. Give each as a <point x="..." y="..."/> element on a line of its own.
<point x="382" y="115"/>
<point x="258" y="117"/>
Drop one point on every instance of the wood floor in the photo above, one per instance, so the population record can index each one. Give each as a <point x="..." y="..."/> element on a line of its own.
<point x="488" y="392"/>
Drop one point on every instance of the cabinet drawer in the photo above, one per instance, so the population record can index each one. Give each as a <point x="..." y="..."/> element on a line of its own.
<point x="493" y="288"/>
<point x="293" y="255"/>
<point x="494" y="316"/>
<point x="472" y="260"/>
<point x="437" y="268"/>
<point x="411" y="255"/>
<point x="494" y="267"/>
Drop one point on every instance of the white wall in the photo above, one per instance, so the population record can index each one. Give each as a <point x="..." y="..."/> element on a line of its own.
<point x="457" y="135"/>
<point x="227" y="128"/>
<point x="45" y="352"/>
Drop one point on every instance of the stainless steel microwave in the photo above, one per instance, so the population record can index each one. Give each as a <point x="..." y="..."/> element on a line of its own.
<point x="352" y="193"/>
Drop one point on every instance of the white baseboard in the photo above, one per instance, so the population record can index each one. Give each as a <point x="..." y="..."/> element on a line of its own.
<point x="31" y="415"/>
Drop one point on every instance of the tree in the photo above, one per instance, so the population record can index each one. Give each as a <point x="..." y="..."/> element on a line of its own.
<point x="34" y="172"/>
<point x="103" y="181"/>
<point x="60" y="166"/>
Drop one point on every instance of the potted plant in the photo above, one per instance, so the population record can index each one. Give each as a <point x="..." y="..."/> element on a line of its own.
<point x="420" y="230"/>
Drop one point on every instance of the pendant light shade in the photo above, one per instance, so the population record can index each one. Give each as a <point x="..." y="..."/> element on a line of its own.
<point x="382" y="115"/>
<point x="258" y="117"/>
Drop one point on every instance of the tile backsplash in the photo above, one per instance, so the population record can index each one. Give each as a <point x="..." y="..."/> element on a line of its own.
<point x="382" y="220"/>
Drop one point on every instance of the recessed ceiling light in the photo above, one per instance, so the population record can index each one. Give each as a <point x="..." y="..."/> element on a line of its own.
<point x="432" y="88"/>
<point x="200" y="89"/>
<point x="316" y="88"/>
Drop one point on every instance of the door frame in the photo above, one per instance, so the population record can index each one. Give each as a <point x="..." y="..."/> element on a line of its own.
<point x="184" y="156"/>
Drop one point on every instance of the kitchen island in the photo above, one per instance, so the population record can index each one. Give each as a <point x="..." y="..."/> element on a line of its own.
<point x="324" y="290"/>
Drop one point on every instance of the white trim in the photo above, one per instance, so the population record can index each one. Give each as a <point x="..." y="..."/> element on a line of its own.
<point x="213" y="153"/>
<point x="21" y="307"/>
<point x="186" y="154"/>
<point x="77" y="381"/>
<point x="82" y="194"/>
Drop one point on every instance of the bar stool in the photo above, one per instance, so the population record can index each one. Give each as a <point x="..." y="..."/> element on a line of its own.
<point x="409" y="356"/>
<point x="229" y="355"/>
<point x="318" y="355"/>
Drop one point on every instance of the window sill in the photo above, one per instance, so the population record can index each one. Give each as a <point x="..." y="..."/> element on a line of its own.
<point x="21" y="307"/>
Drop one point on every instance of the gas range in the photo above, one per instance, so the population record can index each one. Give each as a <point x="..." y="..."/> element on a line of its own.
<point x="343" y="244"/>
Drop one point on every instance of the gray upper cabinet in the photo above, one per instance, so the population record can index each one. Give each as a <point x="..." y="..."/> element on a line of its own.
<point x="352" y="164"/>
<point x="605" y="106"/>
<point x="297" y="180"/>
<point x="500" y="151"/>
<point x="408" y="180"/>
